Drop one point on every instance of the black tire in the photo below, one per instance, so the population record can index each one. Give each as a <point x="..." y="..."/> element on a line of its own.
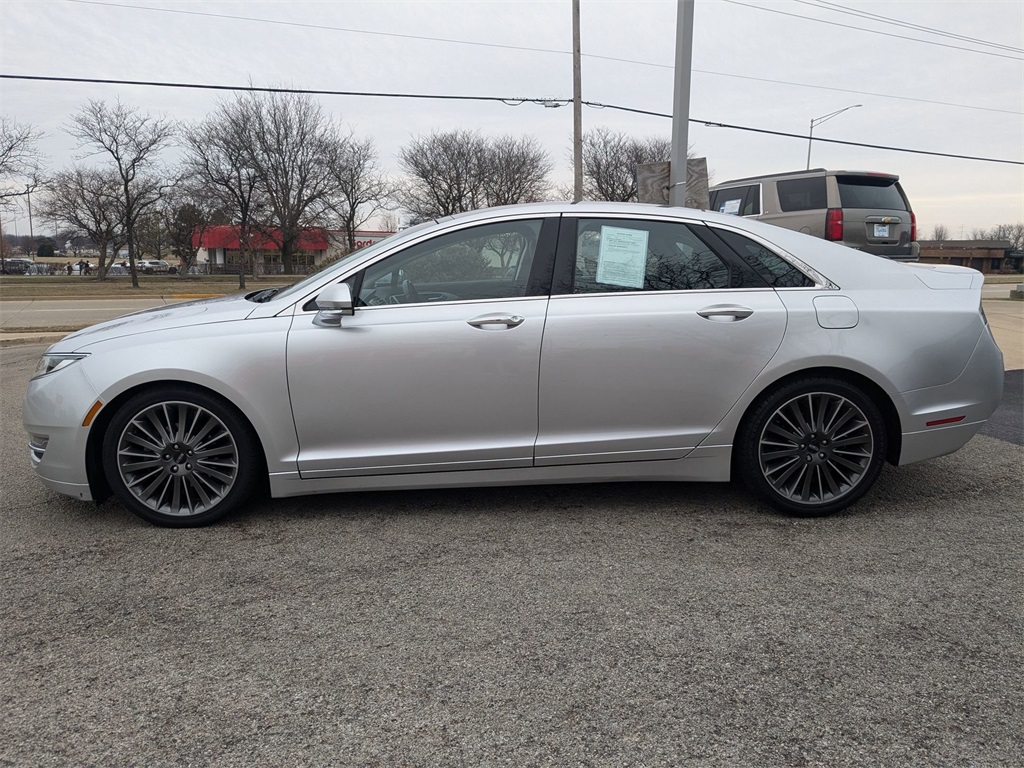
<point x="179" y="457"/>
<point x="812" y="447"/>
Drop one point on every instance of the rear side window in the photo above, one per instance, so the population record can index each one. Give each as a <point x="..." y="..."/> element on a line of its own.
<point x="772" y="268"/>
<point x="874" y="192"/>
<point x="802" y="194"/>
<point x="739" y="201"/>
<point x="631" y="255"/>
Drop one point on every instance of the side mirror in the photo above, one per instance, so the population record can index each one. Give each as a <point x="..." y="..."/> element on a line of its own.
<point x="334" y="303"/>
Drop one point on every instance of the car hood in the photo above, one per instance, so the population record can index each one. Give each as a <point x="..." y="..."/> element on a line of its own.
<point x="200" y="312"/>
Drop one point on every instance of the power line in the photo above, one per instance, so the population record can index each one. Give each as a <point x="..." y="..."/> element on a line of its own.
<point x="860" y="93"/>
<point x="599" y="57"/>
<point x="836" y="8"/>
<point x="873" y="31"/>
<point x="508" y="100"/>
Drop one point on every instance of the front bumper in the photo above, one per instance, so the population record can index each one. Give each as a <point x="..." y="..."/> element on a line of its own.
<point x="53" y="410"/>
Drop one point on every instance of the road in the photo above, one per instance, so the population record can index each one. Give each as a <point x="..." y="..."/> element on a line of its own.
<point x="67" y="313"/>
<point x="629" y="624"/>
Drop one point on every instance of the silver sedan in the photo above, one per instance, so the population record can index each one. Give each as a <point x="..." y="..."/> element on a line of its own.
<point x="548" y="343"/>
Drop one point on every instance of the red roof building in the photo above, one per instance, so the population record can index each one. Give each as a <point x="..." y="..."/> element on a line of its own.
<point x="227" y="237"/>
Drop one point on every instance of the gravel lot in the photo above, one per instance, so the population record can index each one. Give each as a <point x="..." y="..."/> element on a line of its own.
<point x="619" y="625"/>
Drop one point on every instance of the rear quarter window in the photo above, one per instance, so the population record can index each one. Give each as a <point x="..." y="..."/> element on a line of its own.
<point x="802" y="194"/>
<point x="874" y="192"/>
<point x="771" y="267"/>
<point x="738" y="201"/>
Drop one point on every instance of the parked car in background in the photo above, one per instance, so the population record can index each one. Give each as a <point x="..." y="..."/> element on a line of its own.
<point x="154" y="266"/>
<point x="863" y="210"/>
<point x="16" y="266"/>
<point x="540" y="343"/>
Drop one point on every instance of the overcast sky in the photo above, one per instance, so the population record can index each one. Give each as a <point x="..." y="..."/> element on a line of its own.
<point x="767" y="65"/>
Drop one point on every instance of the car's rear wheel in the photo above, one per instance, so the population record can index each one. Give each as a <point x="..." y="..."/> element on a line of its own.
<point x="179" y="457"/>
<point x="813" y="446"/>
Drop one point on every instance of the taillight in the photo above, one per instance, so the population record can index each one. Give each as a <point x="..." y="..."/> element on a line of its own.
<point x="913" y="227"/>
<point x="834" y="224"/>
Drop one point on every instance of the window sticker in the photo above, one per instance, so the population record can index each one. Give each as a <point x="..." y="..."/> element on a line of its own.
<point x="731" y="206"/>
<point x="622" y="257"/>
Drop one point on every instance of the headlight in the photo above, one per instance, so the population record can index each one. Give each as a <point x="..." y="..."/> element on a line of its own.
<point x="51" y="363"/>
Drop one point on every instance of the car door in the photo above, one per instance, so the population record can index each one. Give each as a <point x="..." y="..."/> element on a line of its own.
<point x="654" y="330"/>
<point x="437" y="368"/>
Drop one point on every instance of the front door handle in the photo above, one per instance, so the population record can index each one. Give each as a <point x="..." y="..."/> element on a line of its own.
<point x="725" y="313"/>
<point x="486" y="322"/>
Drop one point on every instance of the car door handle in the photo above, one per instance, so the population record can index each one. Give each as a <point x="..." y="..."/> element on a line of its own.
<point x="725" y="313"/>
<point x="486" y="321"/>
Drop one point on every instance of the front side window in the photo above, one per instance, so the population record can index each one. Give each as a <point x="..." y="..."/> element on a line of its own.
<point x="615" y="255"/>
<point x="487" y="262"/>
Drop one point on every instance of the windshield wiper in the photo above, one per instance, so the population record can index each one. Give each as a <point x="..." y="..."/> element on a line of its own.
<point x="265" y="295"/>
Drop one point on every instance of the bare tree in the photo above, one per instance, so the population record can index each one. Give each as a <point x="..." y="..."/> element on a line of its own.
<point x="940" y="232"/>
<point x="515" y="171"/>
<point x="445" y="174"/>
<point x="88" y="199"/>
<point x="458" y="171"/>
<point x="291" y="143"/>
<point x="610" y="159"/>
<point x="189" y="210"/>
<point x="1013" y="233"/>
<point x="19" y="157"/>
<point x="218" y="160"/>
<point x="361" y="188"/>
<point x="132" y="141"/>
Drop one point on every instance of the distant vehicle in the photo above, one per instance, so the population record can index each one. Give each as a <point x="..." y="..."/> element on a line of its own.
<point x="859" y="209"/>
<point x="16" y="266"/>
<point x="540" y="343"/>
<point x="150" y="267"/>
<point x="117" y="270"/>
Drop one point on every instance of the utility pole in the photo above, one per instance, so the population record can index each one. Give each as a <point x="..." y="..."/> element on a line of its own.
<point x="681" y="103"/>
<point x="577" y="107"/>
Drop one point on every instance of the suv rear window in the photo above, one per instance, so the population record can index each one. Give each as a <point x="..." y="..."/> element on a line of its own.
<point x="870" y="192"/>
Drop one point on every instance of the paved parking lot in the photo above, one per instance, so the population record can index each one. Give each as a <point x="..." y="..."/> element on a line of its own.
<point x="631" y="624"/>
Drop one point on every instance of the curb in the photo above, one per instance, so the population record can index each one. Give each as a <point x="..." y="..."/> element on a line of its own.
<point x="19" y="339"/>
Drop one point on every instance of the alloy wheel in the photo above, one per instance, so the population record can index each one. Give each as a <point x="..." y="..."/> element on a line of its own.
<point x="816" y="448"/>
<point x="177" y="458"/>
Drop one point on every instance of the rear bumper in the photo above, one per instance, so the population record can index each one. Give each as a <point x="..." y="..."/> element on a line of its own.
<point x="971" y="398"/>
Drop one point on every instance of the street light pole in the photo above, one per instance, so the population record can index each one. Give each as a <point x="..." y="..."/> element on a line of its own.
<point x="818" y="121"/>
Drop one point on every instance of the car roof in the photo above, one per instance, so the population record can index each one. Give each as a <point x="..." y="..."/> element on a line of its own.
<point x="808" y="172"/>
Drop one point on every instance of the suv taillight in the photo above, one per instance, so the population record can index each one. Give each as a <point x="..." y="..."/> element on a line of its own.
<point x="913" y="227"/>
<point x="834" y="224"/>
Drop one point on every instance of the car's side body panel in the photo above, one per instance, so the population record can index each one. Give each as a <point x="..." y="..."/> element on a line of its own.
<point x="605" y="397"/>
<point x="406" y="388"/>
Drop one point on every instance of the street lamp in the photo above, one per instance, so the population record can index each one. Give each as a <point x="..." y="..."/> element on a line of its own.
<point x="819" y="121"/>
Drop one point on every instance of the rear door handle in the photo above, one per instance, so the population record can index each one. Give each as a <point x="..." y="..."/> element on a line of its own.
<point x="725" y="313"/>
<point x="485" y="322"/>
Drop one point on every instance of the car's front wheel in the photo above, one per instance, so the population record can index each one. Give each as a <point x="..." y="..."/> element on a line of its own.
<point x="812" y="447"/>
<point x="179" y="457"/>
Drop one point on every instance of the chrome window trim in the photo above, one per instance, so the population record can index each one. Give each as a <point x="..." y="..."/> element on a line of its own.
<point x="461" y="302"/>
<point x="681" y="291"/>
<point x="296" y="305"/>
